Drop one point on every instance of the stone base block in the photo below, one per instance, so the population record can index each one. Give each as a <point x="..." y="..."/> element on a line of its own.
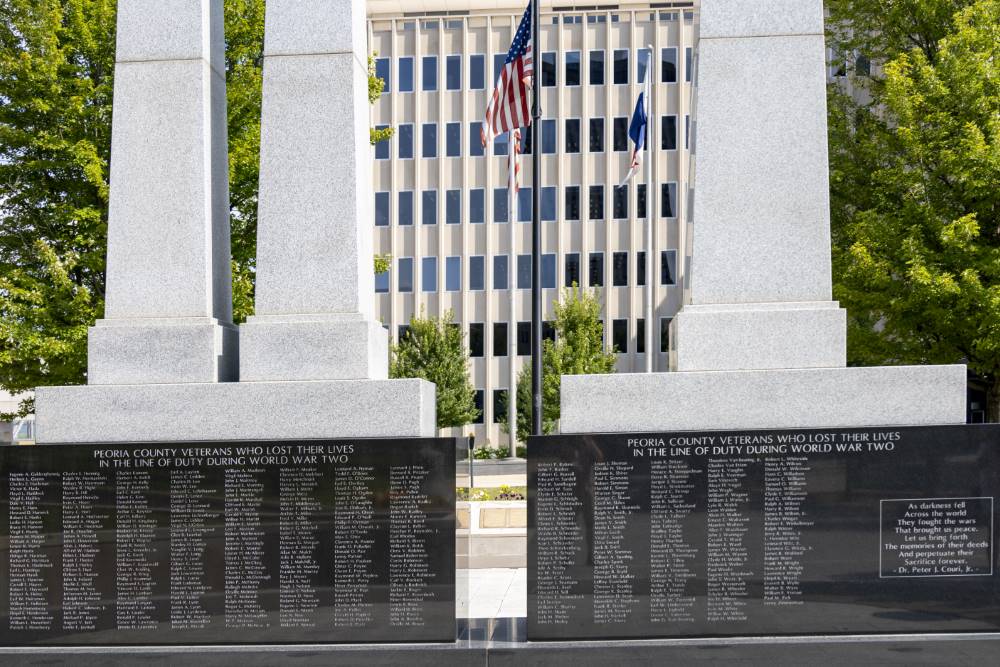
<point x="773" y="399"/>
<point x="759" y="336"/>
<point x="162" y="351"/>
<point x="277" y="351"/>
<point x="235" y="411"/>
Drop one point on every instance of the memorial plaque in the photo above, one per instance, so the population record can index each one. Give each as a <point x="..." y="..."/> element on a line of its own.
<point x="202" y="543"/>
<point x="835" y="531"/>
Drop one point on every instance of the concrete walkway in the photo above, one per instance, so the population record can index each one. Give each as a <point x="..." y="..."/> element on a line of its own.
<point x="492" y="593"/>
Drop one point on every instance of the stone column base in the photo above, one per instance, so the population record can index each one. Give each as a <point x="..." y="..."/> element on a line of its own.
<point x="162" y="351"/>
<point x="771" y="399"/>
<point x="236" y="411"/>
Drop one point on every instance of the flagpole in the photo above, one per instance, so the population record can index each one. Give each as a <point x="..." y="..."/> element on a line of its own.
<point x="514" y="215"/>
<point x="536" y="230"/>
<point x="650" y="349"/>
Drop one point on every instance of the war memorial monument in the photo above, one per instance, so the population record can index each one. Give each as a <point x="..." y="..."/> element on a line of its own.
<point x="263" y="494"/>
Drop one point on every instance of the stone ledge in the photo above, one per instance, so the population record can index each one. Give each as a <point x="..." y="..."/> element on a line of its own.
<point x="235" y="411"/>
<point x="731" y="400"/>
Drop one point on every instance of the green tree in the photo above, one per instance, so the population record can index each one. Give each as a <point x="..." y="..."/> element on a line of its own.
<point x="56" y="78"/>
<point x="915" y="196"/>
<point x="577" y="350"/>
<point x="434" y="349"/>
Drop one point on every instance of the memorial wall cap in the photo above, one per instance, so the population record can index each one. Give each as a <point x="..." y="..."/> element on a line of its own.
<point x="760" y="18"/>
<point x="315" y="27"/>
<point x="152" y="30"/>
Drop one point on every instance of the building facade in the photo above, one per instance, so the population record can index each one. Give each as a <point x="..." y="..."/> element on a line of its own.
<point x="442" y="209"/>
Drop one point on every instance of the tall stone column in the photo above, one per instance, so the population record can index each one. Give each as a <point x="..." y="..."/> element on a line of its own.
<point x="760" y="344"/>
<point x="168" y="308"/>
<point x="315" y="280"/>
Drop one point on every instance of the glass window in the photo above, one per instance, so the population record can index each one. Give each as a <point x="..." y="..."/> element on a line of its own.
<point x="526" y="139"/>
<point x="620" y="202"/>
<point x="429" y="274"/>
<point x="476" y="148"/>
<point x="382" y="71"/>
<point x="499" y="405"/>
<point x="405" y="208"/>
<point x="479" y="400"/>
<point x="477" y="72"/>
<point x="477" y="273"/>
<point x="453" y="207"/>
<point x="668" y="133"/>
<point x="572" y="269"/>
<point x="597" y="269"/>
<point x="548" y="137"/>
<point x="403" y="331"/>
<point x="572" y="202"/>
<point x="548" y="271"/>
<point x="548" y="213"/>
<point x="499" y="271"/>
<point x="381" y="209"/>
<point x="524" y="205"/>
<point x="429" y="73"/>
<point x="453" y="72"/>
<point x="619" y="269"/>
<point x="621" y="65"/>
<point x="524" y="339"/>
<point x="382" y="283"/>
<point x="404" y="273"/>
<point x="619" y="335"/>
<point x="668" y="65"/>
<point x="596" y="135"/>
<point x="429" y="140"/>
<point x="404" y="137"/>
<point x="620" y="141"/>
<point x="498" y="62"/>
<point x="477" y="206"/>
<point x="572" y="68"/>
<point x="596" y="68"/>
<point x="668" y="200"/>
<point x="640" y="201"/>
<point x="382" y="147"/>
<point x="405" y="72"/>
<point x="499" y="339"/>
<point x="453" y="139"/>
<point x="668" y="267"/>
<point x="500" y="205"/>
<point x="640" y="268"/>
<point x="687" y="131"/>
<point x="548" y="69"/>
<point x="642" y="64"/>
<point x="477" y="338"/>
<point x="524" y="272"/>
<point x="572" y="135"/>
<point x="596" y="202"/>
<point x="688" y="63"/>
<point x="640" y="335"/>
<point x="500" y="145"/>
<point x="429" y="207"/>
<point x="548" y="330"/>
<point x="453" y="274"/>
<point x="664" y="334"/>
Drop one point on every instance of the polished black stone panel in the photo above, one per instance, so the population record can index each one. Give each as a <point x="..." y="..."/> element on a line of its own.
<point x="763" y="533"/>
<point x="228" y="543"/>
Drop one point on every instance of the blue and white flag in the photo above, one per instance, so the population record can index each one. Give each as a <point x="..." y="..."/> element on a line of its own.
<point x="637" y="133"/>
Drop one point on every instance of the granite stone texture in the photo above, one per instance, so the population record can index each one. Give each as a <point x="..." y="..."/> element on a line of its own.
<point x="235" y="411"/>
<point x="760" y="336"/>
<point x="760" y="18"/>
<point x="314" y="243"/>
<point x="762" y="231"/>
<point x="162" y="351"/>
<point x="171" y="30"/>
<point x="313" y="350"/>
<point x="312" y="27"/>
<point x="798" y="398"/>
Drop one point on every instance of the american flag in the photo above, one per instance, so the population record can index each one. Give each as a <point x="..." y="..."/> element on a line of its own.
<point x="515" y="169"/>
<point x="637" y="133"/>
<point x="509" y="107"/>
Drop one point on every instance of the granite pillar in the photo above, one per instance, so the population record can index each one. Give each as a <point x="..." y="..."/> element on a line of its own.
<point x="760" y="343"/>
